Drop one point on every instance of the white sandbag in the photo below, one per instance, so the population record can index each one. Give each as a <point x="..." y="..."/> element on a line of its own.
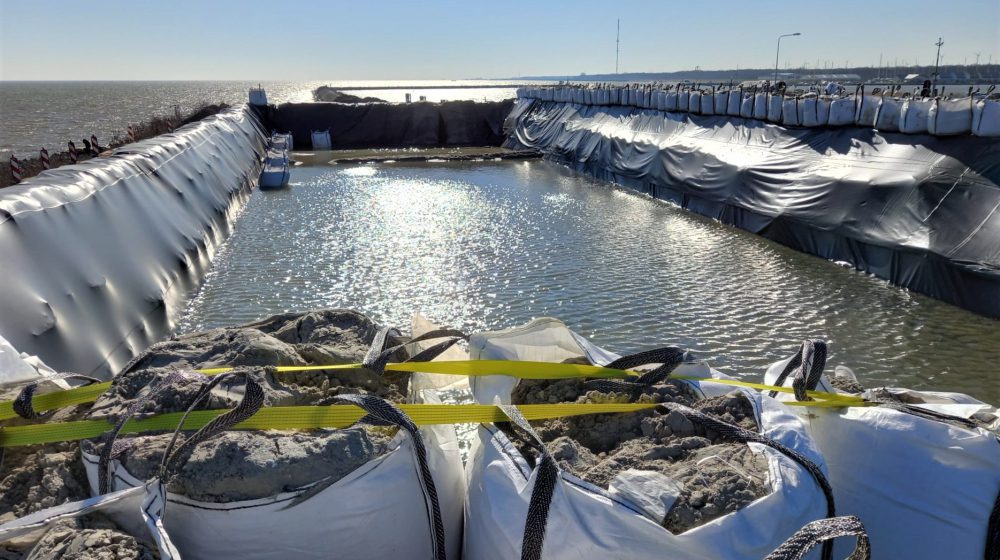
<point x="585" y="521"/>
<point x="760" y="107"/>
<point x="867" y="108"/>
<point x="950" y="116"/>
<point x="721" y="105"/>
<point x="321" y="140"/>
<point x="889" y="112"/>
<point x="683" y="101"/>
<point x="842" y="110"/>
<point x="670" y="102"/>
<point x="746" y="105"/>
<point x="814" y="111"/>
<point x="694" y="102"/>
<point x="986" y="118"/>
<point x="790" y="112"/>
<point x="378" y="511"/>
<point x="734" y="103"/>
<point x="707" y="103"/>
<point x="924" y="488"/>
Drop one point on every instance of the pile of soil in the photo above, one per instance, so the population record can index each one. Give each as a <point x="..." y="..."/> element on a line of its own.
<point x="715" y="477"/>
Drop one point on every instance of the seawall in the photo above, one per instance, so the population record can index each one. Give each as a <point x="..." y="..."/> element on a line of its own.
<point x="392" y="125"/>
<point x="920" y="211"/>
<point x="98" y="256"/>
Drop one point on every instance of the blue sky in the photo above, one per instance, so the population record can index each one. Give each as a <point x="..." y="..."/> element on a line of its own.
<point x="414" y="39"/>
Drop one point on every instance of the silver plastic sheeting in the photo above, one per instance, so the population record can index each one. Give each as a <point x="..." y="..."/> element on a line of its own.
<point x="920" y="211"/>
<point x="97" y="257"/>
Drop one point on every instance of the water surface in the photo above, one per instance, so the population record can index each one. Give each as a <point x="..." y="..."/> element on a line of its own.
<point x="486" y="245"/>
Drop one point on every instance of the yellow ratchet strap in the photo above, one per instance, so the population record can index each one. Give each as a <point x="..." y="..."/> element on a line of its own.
<point x="522" y="370"/>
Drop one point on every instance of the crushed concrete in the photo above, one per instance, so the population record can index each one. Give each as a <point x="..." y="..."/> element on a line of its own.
<point x="245" y="465"/>
<point x="716" y="477"/>
<point x="94" y="538"/>
<point x="39" y="477"/>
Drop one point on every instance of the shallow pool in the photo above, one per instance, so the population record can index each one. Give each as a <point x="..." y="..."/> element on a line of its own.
<point x="485" y="245"/>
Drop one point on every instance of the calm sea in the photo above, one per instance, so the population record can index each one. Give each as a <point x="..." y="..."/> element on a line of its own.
<point x="37" y="114"/>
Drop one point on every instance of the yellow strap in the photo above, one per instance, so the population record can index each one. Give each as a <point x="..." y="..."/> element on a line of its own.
<point x="522" y="370"/>
<point x="313" y="417"/>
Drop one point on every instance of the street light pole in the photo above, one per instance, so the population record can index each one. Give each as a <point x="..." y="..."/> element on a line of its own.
<point x="778" y="53"/>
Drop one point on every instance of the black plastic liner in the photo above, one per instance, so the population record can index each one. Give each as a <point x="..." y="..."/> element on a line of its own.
<point x="96" y="258"/>
<point x="395" y="125"/>
<point x="922" y="212"/>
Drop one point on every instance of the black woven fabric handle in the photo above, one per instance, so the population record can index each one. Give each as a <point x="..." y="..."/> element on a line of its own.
<point x="112" y="446"/>
<point x="23" y="405"/>
<point x="378" y="355"/>
<point x="250" y="404"/>
<point x="383" y="413"/>
<point x="738" y="434"/>
<point x="535" y="523"/>
<point x="824" y="530"/>
<point x="669" y="357"/>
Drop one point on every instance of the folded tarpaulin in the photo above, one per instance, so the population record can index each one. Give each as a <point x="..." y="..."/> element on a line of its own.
<point x="920" y="211"/>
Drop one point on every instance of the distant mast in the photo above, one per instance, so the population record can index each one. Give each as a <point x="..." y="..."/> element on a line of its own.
<point x="618" y="40"/>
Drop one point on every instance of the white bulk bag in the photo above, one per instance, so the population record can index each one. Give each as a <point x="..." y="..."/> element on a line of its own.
<point x="950" y="116"/>
<point x="707" y="103"/>
<point x="923" y="488"/>
<point x="866" y="110"/>
<point x="814" y="111"/>
<point x="589" y="522"/>
<point x="889" y="112"/>
<point x="790" y="112"/>
<point x="842" y="111"/>
<point x="734" y="103"/>
<point x="774" y="106"/>
<point x="683" y="100"/>
<point x="694" y="102"/>
<point x="986" y="118"/>
<point x="321" y="140"/>
<point x="914" y="114"/>
<point x="378" y="511"/>
<point x="746" y="105"/>
<point x="670" y="102"/>
<point x="721" y="105"/>
<point x="760" y="107"/>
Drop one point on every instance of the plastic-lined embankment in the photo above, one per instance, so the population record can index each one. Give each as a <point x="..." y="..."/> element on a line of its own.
<point x="920" y="211"/>
<point x="97" y="257"/>
<point x="393" y="125"/>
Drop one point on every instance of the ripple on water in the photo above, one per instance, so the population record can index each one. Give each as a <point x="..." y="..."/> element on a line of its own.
<point x="491" y="245"/>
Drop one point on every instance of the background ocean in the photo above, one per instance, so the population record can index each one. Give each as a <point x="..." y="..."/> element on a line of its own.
<point x="37" y="114"/>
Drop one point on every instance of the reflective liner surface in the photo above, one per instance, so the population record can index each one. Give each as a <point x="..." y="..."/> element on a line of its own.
<point x="485" y="245"/>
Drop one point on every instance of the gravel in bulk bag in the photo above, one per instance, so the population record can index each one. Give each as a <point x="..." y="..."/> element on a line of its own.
<point x="986" y="118"/>
<point x="683" y="100"/>
<point x="746" y="105"/>
<point x="790" y="111"/>
<point x="920" y="469"/>
<point x="760" y="106"/>
<point x="914" y="114"/>
<point x="814" y="110"/>
<point x="735" y="102"/>
<point x="640" y="485"/>
<point x="321" y="140"/>
<point x="842" y="110"/>
<point x="368" y="491"/>
<point x="948" y="117"/>
<point x="659" y="99"/>
<point x="887" y="118"/>
<point x="721" y="105"/>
